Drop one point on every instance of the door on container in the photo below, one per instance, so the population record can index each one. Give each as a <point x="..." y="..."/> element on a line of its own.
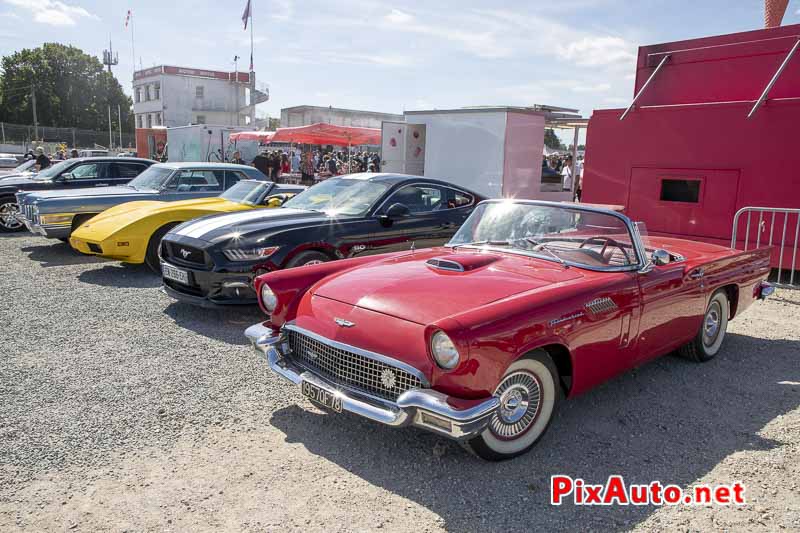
<point x="684" y="202"/>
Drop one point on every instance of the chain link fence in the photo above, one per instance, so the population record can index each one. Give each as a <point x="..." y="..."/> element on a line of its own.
<point x="26" y="136"/>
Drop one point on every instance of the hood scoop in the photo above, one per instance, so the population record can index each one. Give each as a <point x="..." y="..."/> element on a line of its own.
<point x="461" y="262"/>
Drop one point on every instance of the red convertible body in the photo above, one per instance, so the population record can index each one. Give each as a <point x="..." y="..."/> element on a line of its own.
<point x="479" y="340"/>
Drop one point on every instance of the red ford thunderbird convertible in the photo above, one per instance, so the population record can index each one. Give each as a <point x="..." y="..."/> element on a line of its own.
<point x="479" y="340"/>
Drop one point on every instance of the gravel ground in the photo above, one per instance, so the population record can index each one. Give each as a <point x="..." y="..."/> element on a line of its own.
<point x="121" y="410"/>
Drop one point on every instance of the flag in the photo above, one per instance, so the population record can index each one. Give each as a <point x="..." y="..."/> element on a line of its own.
<point x="246" y="14"/>
<point x="128" y="18"/>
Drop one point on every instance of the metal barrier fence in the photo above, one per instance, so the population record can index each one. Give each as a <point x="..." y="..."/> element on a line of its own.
<point x="767" y="223"/>
<point x="26" y="135"/>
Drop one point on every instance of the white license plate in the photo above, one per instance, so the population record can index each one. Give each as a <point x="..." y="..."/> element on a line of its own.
<point x="175" y="274"/>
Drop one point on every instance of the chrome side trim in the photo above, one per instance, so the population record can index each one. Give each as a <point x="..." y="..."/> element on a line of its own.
<point x="370" y="355"/>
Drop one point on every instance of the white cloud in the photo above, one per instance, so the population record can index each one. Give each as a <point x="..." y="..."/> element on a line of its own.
<point x="53" y="12"/>
<point x="596" y="88"/>
<point x="616" y="100"/>
<point x="396" y="16"/>
<point x="593" y="51"/>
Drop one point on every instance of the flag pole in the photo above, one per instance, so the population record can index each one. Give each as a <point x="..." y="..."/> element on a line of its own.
<point x="133" y="45"/>
<point x="251" y="35"/>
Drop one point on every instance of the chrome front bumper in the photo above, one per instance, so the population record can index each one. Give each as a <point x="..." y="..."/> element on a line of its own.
<point x="424" y="408"/>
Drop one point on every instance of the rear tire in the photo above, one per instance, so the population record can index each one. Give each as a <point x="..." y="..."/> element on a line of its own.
<point x="708" y="341"/>
<point x="8" y="209"/>
<point x="310" y="257"/>
<point x="151" y="255"/>
<point x="529" y="393"/>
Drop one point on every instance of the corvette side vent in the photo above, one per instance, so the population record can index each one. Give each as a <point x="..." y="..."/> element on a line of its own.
<point x="444" y="264"/>
<point x="600" y="306"/>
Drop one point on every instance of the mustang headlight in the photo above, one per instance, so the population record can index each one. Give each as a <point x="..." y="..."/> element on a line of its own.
<point x="249" y="254"/>
<point x="444" y="351"/>
<point x="62" y="219"/>
<point x="268" y="298"/>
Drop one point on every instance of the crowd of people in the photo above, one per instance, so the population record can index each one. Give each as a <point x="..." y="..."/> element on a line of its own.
<point x="44" y="160"/>
<point x="278" y="164"/>
<point x="570" y="173"/>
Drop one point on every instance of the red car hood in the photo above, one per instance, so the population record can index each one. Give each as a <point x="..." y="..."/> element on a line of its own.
<point x="412" y="288"/>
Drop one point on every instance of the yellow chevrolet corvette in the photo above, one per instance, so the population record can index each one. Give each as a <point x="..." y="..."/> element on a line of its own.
<point x="132" y="232"/>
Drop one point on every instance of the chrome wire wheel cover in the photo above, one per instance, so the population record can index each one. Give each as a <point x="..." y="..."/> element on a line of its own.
<point x="7" y="216"/>
<point x="520" y="396"/>
<point x="711" y="323"/>
<point x="313" y="262"/>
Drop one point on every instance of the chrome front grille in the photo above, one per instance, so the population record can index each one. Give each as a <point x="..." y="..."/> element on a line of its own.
<point x="350" y="369"/>
<point x="27" y="210"/>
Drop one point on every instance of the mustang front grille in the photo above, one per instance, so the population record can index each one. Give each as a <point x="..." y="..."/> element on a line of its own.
<point x="184" y="254"/>
<point x="349" y="368"/>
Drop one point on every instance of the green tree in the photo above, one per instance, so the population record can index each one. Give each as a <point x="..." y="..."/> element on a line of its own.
<point x="551" y="140"/>
<point x="73" y="90"/>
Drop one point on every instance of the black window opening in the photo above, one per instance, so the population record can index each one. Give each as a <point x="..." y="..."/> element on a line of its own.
<point x="675" y="190"/>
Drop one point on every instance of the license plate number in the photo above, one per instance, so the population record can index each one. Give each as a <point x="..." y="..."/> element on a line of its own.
<point x="175" y="274"/>
<point x="321" y="396"/>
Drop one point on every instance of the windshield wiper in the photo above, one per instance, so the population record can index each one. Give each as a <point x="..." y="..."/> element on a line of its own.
<point x="543" y="247"/>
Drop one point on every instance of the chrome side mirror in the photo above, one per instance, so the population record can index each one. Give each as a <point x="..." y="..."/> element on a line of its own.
<point x="660" y="257"/>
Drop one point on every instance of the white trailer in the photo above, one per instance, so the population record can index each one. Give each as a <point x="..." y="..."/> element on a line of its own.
<point x="201" y="142"/>
<point x="495" y="151"/>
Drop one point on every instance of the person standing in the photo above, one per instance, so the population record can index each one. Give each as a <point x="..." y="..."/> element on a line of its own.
<point x="261" y="162"/>
<point x="307" y="170"/>
<point x="237" y="158"/>
<point x="295" y="161"/>
<point x="566" y="174"/>
<point x="42" y="161"/>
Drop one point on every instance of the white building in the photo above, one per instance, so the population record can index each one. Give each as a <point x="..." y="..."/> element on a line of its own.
<point x="305" y="115"/>
<point x="177" y="96"/>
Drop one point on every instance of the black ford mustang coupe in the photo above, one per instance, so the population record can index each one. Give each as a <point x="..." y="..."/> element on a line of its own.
<point x="213" y="260"/>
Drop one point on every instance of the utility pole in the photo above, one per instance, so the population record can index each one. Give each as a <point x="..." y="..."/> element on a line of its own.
<point x="119" y="118"/>
<point x="35" y="120"/>
<point x="110" y="137"/>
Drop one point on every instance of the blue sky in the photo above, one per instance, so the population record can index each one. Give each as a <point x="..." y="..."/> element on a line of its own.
<point x="390" y="56"/>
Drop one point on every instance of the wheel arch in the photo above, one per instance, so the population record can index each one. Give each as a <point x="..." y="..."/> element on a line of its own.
<point x="732" y="292"/>
<point x="320" y="247"/>
<point x="561" y="357"/>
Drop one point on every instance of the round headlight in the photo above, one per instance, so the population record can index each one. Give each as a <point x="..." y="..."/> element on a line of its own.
<point x="268" y="298"/>
<point x="444" y="351"/>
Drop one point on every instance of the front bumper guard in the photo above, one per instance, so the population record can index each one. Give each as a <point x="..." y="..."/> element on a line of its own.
<point x="424" y="408"/>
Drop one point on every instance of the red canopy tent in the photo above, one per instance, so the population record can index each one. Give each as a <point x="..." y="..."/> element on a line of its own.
<point x="315" y="134"/>
<point x="261" y="136"/>
<point x="328" y="134"/>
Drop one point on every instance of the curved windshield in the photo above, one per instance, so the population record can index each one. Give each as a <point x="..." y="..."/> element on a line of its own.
<point x="153" y="178"/>
<point x="54" y="170"/>
<point x="247" y="192"/>
<point x="340" y="196"/>
<point x="567" y="235"/>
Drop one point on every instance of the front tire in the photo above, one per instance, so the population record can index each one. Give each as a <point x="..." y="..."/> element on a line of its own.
<point x="151" y="255"/>
<point x="310" y="257"/>
<point x="8" y="221"/>
<point x="529" y="393"/>
<point x="708" y="341"/>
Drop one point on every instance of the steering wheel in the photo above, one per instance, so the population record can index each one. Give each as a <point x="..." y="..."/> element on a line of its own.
<point x="606" y="242"/>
